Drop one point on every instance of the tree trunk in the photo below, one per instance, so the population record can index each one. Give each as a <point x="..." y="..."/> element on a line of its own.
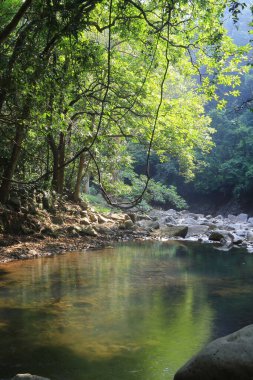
<point x="12" y="164"/>
<point x="54" y="150"/>
<point x="76" y="195"/>
<point x="58" y="162"/>
<point x="87" y="183"/>
<point x="61" y="168"/>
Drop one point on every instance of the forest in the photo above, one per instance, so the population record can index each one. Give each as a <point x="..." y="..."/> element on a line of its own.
<point x="118" y="94"/>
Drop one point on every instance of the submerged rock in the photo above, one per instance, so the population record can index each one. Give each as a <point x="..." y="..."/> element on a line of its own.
<point x="28" y="376"/>
<point x="227" y="358"/>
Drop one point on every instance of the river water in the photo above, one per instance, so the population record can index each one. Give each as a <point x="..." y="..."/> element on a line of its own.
<point x="135" y="312"/>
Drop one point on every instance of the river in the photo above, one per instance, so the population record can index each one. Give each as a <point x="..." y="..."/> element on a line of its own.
<point x="134" y="312"/>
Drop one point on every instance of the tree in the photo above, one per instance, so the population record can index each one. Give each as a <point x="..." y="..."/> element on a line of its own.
<point x="83" y="78"/>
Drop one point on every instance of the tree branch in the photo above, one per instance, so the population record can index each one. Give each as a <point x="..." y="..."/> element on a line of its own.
<point x="4" y="34"/>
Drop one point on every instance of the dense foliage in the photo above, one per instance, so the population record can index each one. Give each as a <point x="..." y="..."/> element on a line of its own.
<point x="83" y="81"/>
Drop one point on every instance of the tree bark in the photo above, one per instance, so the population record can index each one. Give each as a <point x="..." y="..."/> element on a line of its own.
<point x="61" y="168"/>
<point x="58" y="162"/>
<point x="76" y="195"/>
<point x="12" y="164"/>
<point x="54" y="151"/>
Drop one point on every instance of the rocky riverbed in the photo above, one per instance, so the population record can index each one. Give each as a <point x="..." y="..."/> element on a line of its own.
<point x="228" y="232"/>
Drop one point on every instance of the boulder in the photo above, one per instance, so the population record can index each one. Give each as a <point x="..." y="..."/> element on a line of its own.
<point x="85" y="221"/>
<point x="148" y="224"/>
<point x="250" y="236"/>
<point x="242" y="218"/>
<point x="231" y="218"/>
<point x="227" y="358"/>
<point x="169" y="219"/>
<point x="87" y="230"/>
<point x="196" y="230"/>
<point x="190" y="221"/>
<point x="220" y="235"/>
<point x="93" y="217"/>
<point x="128" y="224"/>
<point x="101" y="219"/>
<point x="132" y="216"/>
<point x="28" y="376"/>
<point x="15" y="202"/>
<point x="250" y="220"/>
<point x="236" y="239"/>
<point x="174" y="231"/>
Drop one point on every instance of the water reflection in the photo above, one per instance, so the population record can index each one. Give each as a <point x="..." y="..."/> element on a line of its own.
<point x="136" y="312"/>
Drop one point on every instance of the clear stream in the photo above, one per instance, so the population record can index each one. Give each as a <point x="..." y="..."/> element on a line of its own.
<point x="135" y="312"/>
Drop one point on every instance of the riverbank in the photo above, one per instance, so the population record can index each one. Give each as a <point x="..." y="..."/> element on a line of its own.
<point x="45" y="228"/>
<point x="67" y="227"/>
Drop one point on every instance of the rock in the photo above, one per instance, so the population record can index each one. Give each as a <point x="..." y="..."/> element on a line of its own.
<point x="250" y="220"/>
<point x="93" y="217"/>
<point x="33" y="252"/>
<point x="231" y="218"/>
<point x="126" y="225"/>
<point x="236" y="239"/>
<point x="89" y="231"/>
<point x="190" y="221"/>
<point x="49" y="232"/>
<point x="85" y="221"/>
<point x="101" y="219"/>
<point x="117" y="217"/>
<point x="84" y="205"/>
<point x="103" y="230"/>
<point x="129" y="224"/>
<point x="196" y="230"/>
<point x="28" y="376"/>
<point x="46" y="201"/>
<point x="170" y="220"/>
<point x="15" y="202"/>
<point x="144" y="217"/>
<point x="174" y="231"/>
<point x="227" y="358"/>
<point x="132" y="216"/>
<point x="242" y="218"/>
<point x="57" y="220"/>
<point x="210" y="225"/>
<point x="148" y="224"/>
<point x="218" y="235"/>
<point x="249" y="236"/>
<point x="242" y="233"/>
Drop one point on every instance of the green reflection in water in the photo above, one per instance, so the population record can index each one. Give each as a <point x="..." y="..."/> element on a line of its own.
<point x="138" y="311"/>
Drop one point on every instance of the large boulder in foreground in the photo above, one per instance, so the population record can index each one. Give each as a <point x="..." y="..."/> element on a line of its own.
<point x="28" y="376"/>
<point x="227" y="358"/>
